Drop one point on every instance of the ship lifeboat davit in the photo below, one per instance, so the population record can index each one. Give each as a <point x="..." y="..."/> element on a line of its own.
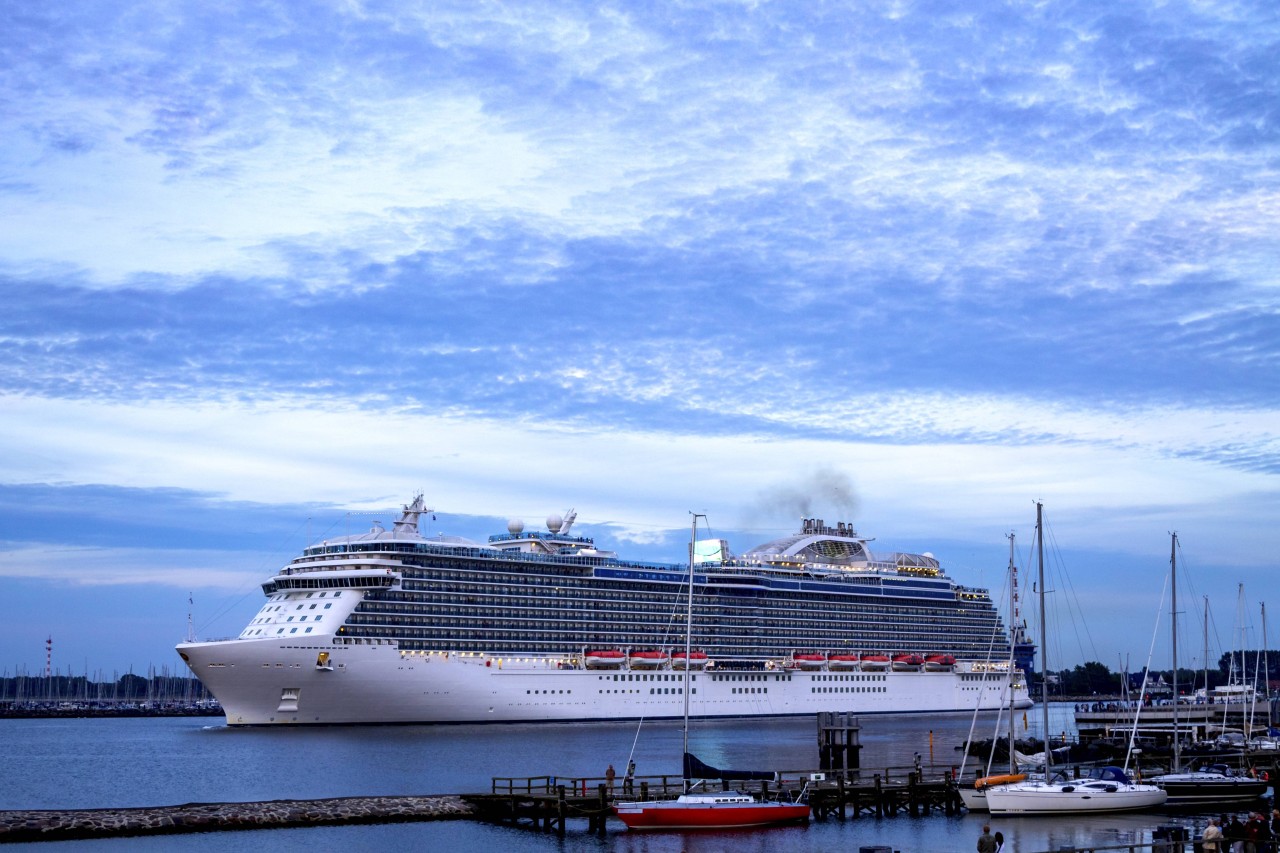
<point x="809" y="661"/>
<point x="604" y="659"/>
<point x="697" y="660"/>
<point x="842" y="663"/>
<point x="873" y="662"/>
<point x="648" y="660"/>
<point x="939" y="663"/>
<point x="907" y="662"/>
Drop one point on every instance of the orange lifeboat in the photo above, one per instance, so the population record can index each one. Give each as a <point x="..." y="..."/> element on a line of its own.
<point x="907" y="662"/>
<point x="697" y="660"/>
<point x="809" y="661"/>
<point x="842" y="662"/>
<point x="873" y="662"/>
<point x="939" y="663"/>
<point x="604" y="659"/>
<point x="648" y="660"/>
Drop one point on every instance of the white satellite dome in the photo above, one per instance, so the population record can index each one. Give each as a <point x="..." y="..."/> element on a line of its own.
<point x="554" y="523"/>
<point x="515" y="526"/>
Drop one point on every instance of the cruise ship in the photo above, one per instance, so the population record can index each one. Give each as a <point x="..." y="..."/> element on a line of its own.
<point x="391" y="626"/>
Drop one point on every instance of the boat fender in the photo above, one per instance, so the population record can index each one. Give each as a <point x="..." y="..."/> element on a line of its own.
<point x="1110" y="789"/>
<point x="1067" y="789"/>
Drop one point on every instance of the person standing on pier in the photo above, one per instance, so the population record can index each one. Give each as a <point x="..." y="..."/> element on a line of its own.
<point x="1234" y="833"/>
<point x="986" y="842"/>
<point x="1211" y="841"/>
<point x="629" y="780"/>
<point x="609" y="775"/>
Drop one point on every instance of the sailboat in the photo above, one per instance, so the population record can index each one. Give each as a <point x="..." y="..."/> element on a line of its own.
<point x="1215" y="783"/>
<point x="1107" y="789"/>
<point x="975" y="798"/>
<point x="695" y="809"/>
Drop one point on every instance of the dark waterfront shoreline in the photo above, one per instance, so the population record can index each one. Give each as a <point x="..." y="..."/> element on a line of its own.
<point x="58" y="710"/>
<point x="73" y="824"/>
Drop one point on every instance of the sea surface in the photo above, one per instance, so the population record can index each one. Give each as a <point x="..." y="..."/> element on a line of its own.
<point x="98" y="763"/>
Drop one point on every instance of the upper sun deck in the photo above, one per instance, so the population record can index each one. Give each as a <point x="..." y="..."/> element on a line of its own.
<point x="818" y="551"/>
<point x="825" y="549"/>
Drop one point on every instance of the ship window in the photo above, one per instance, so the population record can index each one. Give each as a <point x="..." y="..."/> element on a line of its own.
<point x="293" y="630"/>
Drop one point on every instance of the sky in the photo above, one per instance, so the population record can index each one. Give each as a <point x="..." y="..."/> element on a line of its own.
<point x="268" y="270"/>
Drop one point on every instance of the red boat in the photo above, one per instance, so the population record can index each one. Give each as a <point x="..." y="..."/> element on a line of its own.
<point x="907" y="662"/>
<point x="725" y="810"/>
<point x="697" y="660"/>
<point x="873" y="662"/>
<point x="604" y="658"/>
<point x="809" y="661"/>
<point x="842" y="662"/>
<point x="648" y="660"/>
<point x="939" y="663"/>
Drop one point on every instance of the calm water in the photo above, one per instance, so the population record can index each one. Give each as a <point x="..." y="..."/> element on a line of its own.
<point x="146" y="762"/>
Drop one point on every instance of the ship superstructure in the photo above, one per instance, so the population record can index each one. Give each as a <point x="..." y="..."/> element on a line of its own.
<point x="395" y="626"/>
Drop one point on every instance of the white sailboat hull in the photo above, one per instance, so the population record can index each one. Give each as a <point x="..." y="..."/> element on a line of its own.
<point x="1072" y="798"/>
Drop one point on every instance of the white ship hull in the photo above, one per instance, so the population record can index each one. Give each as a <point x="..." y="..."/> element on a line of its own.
<point x="264" y="682"/>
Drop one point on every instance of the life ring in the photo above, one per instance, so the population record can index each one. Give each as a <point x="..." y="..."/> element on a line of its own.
<point x="1264" y="776"/>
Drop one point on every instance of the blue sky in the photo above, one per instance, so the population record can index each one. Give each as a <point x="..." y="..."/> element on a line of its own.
<point x="268" y="268"/>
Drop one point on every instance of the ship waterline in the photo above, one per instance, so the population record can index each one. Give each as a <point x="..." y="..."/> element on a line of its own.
<point x="395" y="627"/>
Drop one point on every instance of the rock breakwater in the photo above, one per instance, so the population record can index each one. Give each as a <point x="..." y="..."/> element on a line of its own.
<point x="66" y="824"/>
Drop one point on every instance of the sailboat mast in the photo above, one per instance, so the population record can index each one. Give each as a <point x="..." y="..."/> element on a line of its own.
<point x="1206" y="648"/>
<point x="1173" y="614"/>
<point x="1013" y="613"/>
<point x="688" y="633"/>
<point x="1044" y="642"/>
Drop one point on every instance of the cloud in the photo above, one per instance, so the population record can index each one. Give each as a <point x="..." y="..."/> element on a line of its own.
<point x="958" y="256"/>
<point x="220" y="572"/>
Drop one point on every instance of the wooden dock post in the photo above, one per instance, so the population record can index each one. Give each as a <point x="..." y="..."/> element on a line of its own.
<point x="839" y="746"/>
<point x="604" y="812"/>
<point x="879" y="797"/>
<point x="561" y="811"/>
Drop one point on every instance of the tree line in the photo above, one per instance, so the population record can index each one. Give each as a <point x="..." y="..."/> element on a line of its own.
<point x="1262" y="667"/>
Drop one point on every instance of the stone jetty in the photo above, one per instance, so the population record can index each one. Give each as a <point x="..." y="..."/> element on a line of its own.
<point x="65" y="824"/>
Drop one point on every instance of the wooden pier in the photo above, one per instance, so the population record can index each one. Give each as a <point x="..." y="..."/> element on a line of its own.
<point x="547" y="802"/>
